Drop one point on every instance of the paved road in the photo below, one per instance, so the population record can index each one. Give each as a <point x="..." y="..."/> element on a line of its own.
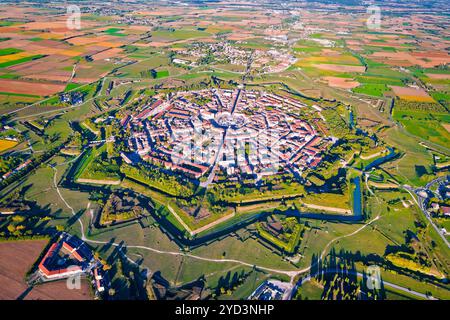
<point x="385" y="283"/>
<point x="421" y="205"/>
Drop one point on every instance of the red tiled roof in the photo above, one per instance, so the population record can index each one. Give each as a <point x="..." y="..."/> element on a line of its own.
<point x="51" y="252"/>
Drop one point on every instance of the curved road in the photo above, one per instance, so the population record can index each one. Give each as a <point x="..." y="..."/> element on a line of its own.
<point x="385" y="283"/>
<point x="425" y="212"/>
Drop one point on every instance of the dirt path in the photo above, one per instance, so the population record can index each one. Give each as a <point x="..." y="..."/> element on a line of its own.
<point x="214" y="223"/>
<point x="101" y="182"/>
<point x="371" y="156"/>
<point x="180" y="220"/>
<point x="329" y="209"/>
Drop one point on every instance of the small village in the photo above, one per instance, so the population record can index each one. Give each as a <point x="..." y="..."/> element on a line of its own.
<point x="266" y="61"/>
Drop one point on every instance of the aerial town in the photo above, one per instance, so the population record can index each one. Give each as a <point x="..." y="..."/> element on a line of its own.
<point x="227" y="121"/>
<point x="253" y="150"/>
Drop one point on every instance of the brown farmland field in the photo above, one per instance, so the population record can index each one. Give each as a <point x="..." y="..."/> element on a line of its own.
<point x="16" y="258"/>
<point x="58" y="291"/>
<point x="342" y="83"/>
<point x="32" y="88"/>
<point x="340" y="68"/>
<point x="412" y="94"/>
<point x="110" y="53"/>
<point x="438" y="76"/>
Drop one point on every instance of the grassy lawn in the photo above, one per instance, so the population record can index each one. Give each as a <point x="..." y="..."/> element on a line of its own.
<point x="393" y="294"/>
<point x="192" y="269"/>
<point x="115" y="32"/>
<point x="283" y="190"/>
<point x="288" y="247"/>
<point x="242" y="292"/>
<point x="427" y="126"/>
<point x="341" y="201"/>
<point x="310" y="290"/>
<point x="92" y="167"/>
<point x="72" y="86"/>
<point x="7" y="51"/>
<point x="376" y="90"/>
<point x="411" y="283"/>
<point x="250" y="251"/>
<point x="405" y="169"/>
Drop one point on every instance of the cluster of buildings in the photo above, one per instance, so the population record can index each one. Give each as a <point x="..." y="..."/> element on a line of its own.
<point x="437" y="208"/>
<point x="11" y="137"/>
<point x="274" y="227"/>
<point x="73" y="97"/>
<point x="184" y="62"/>
<point x="241" y="132"/>
<point x="18" y="169"/>
<point x="441" y="207"/>
<point x="71" y="257"/>
<point x="221" y="51"/>
<point x="274" y="60"/>
<point x="267" y="61"/>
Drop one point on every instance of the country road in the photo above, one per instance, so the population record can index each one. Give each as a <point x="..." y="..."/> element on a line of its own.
<point x="385" y="283"/>
<point x="426" y="214"/>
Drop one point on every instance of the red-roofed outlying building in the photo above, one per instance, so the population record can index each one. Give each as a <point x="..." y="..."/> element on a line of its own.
<point x="56" y="273"/>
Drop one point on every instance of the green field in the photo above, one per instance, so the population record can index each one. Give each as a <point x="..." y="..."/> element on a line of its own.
<point x="19" y="94"/>
<point x="288" y="247"/>
<point x="72" y="86"/>
<point x="92" y="166"/>
<point x="9" y="76"/>
<point x="18" y="61"/>
<point x="115" y="32"/>
<point x="7" y="51"/>
<point x="427" y="126"/>
<point x="160" y="74"/>
<point x="310" y="290"/>
<point x="376" y="90"/>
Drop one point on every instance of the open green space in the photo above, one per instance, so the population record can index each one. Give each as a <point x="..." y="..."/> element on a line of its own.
<point x="19" y="61"/>
<point x="7" y="51"/>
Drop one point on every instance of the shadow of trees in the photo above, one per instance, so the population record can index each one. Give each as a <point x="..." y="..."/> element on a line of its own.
<point x="338" y="275"/>
<point x="128" y="279"/>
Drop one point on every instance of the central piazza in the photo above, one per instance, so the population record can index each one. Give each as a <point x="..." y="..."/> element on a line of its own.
<point x="238" y="132"/>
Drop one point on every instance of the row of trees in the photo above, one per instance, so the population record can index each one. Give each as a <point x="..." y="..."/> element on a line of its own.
<point x="338" y="275"/>
<point x="158" y="179"/>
